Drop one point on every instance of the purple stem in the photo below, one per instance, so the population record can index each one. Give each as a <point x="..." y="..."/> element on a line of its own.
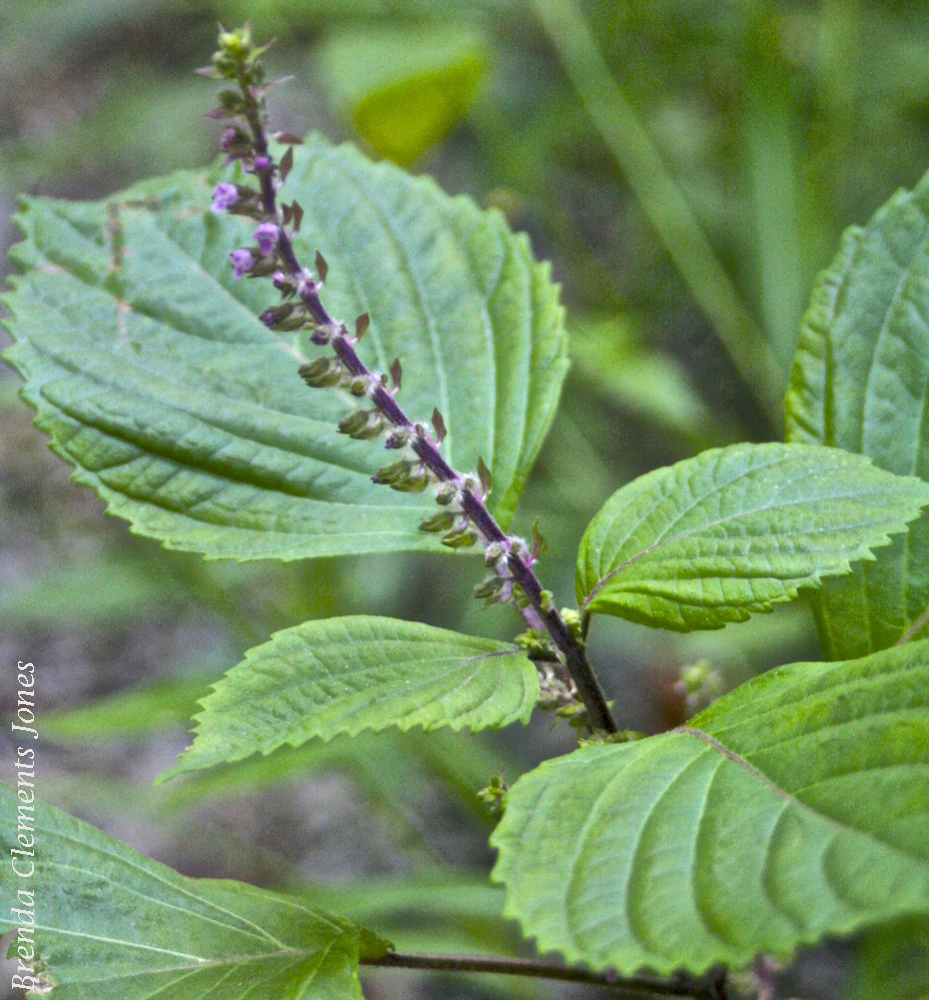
<point x="544" y="615"/>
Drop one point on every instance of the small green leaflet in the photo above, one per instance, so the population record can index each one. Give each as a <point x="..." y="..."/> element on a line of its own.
<point x="735" y="530"/>
<point x="794" y="807"/>
<point x="155" y="378"/>
<point x="111" y="924"/>
<point x="344" y="675"/>
<point x="859" y="383"/>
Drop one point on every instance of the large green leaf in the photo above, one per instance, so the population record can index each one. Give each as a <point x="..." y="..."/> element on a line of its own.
<point x="736" y="530"/>
<point x="344" y="675"/>
<point x="794" y="807"/>
<point x="859" y="382"/>
<point x="155" y="378"/>
<point x="110" y="923"/>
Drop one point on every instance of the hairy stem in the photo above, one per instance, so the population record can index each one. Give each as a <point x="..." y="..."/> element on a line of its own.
<point x="544" y="615"/>
<point x="697" y="989"/>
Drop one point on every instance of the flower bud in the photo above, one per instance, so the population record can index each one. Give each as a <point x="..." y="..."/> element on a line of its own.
<point x="284" y="283"/>
<point x="263" y="267"/>
<point x="699" y="684"/>
<point x="415" y="483"/>
<point x="461" y="538"/>
<point x="277" y="315"/>
<point x="231" y="101"/>
<point x="494" y="553"/>
<point x="399" y="438"/>
<point x="235" y="143"/>
<point x="248" y="203"/>
<point x="489" y="588"/>
<point x="446" y="493"/>
<point x="438" y="522"/>
<point x="321" y="373"/>
<point x="224" y="65"/>
<point x="361" y="425"/>
<point x="536" y="644"/>
<point x="237" y="44"/>
<point x="324" y="333"/>
<point x="391" y="474"/>
<point x="295" y="322"/>
<point x="359" y="385"/>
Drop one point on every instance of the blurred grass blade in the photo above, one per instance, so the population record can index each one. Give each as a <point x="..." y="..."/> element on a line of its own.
<point x="93" y="593"/>
<point x="771" y="147"/>
<point x="662" y="201"/>
<point x="137" y="711"/>
<point x="611" y="359"/>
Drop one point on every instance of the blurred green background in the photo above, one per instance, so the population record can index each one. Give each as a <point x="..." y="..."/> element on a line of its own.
<point x="687" y="167"/>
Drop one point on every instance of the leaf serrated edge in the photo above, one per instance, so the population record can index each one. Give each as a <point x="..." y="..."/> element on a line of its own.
<point x="348" y="730"/>
<point x="573" y="953"/>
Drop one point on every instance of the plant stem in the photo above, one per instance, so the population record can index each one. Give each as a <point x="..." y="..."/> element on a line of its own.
<point x="545" y="615"/>
<point x="697" y="989"/>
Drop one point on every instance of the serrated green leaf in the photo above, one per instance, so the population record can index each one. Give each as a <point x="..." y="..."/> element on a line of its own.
<point x="110" y="923"/>
<point x="859" y="383"/>
<point x="794" y="807"/>
<point x="345" y="675"/>
<point x="405" y="87"/>
<point x="155" y="378"/>
<point x="736" y="530"/>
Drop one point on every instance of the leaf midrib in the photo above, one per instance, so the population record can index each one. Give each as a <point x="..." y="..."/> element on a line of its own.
<point x="196" y="962"/>
<point x="345" y="718"/>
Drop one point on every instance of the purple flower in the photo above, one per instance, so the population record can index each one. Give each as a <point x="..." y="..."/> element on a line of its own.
<point x="241" y="261"/>
<point x="224" y="197"/>
<point x="266" y="236"/>
<point x="229" y="137"/>
<point x="258" y="164"/>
